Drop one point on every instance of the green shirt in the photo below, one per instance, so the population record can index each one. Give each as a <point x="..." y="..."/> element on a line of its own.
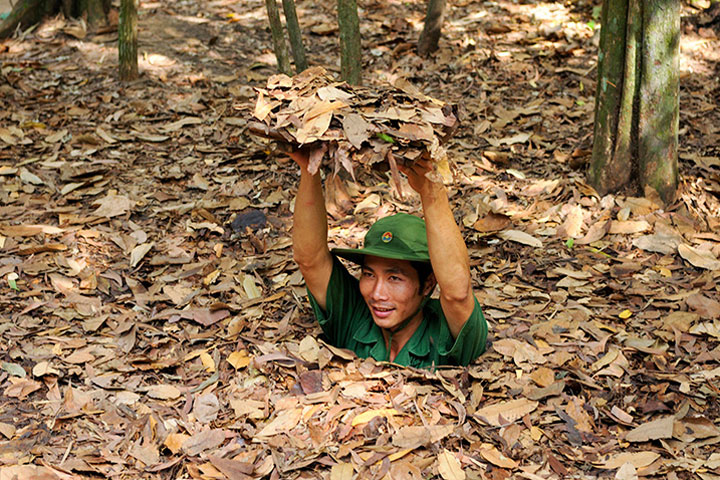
<point x="347" y="323"/>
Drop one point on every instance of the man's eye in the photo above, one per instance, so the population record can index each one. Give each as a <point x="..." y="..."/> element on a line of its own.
<point x="367" y="274"/>
<point x="395" y="278"/>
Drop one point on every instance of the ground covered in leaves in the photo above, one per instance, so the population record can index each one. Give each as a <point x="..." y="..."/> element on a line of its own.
<point x="153" y="324"/>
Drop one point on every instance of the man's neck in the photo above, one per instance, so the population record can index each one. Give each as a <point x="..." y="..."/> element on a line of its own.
<point x="398" y="340"/>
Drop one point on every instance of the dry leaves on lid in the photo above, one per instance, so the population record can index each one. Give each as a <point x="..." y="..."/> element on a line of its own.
<point x="357" y="125"/>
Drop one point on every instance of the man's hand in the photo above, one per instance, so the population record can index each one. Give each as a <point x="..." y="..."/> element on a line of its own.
<point x="301" y="157"/>
<point x="417" y="174"/>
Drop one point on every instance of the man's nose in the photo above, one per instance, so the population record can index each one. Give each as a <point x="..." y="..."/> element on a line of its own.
<point x="379" y="291"/>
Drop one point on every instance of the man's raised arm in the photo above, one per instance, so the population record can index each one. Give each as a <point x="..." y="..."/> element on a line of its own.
<point x="448" y="253"/>
<point x="309" y="234"/>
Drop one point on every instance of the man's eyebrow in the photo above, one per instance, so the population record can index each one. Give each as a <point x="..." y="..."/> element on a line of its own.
<point x="399" y="270"/>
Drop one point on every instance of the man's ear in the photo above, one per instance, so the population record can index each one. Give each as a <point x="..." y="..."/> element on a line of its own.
<point x="429" y="285"/>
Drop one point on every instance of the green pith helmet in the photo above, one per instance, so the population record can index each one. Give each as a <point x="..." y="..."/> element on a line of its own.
<point x="400" y="236"/>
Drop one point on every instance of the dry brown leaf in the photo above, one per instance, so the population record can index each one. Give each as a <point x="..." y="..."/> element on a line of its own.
<point x="29" y="230"/>
<point x="492" y="222"/>
<point x="629" y="226"/>
<point x="660" y="242"/>
<point x="163" y="392"/>
<point x="415" y="436"/>
<point x="21" y="387"/>
<point x="206" y="408"/>
<point x="704" y="306"/>
<point x="573" y="224"/>
<point x="239" y="359"/>
<point x="494" y="456"/>
<point x="7" y="430"/>
<point x="653" y="430"/>
<point x="449" y="466"/>
<point x="342" y="471"/>
<point x="309" y="349"/>
<point x="139" y="252"/>
<point x="636" y="459"/>
<point x="520" y="237"/>
<point x="627" y="472"/>
<point x="699" y="258"/>
<point x="147" y="454"/>
<point x="174" y="441"/>
<point x="543" y="376"/>
<point x="506" y="412"/>
<point x="285" y="421"/>
<point x="690" y="429"/>
<point x="365" y="417"/>
<point x="232" y="469"/>
<point x="113" y="206"/>
<point x="203" y="441"/>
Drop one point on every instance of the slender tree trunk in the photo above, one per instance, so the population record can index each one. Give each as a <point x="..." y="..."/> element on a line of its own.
<point x="127" y="40"/>
<point x="296" y="43"/>
<point x="432" y="28"/>
<point x="278" y="38"/>
<point x="350" y="52"/>
<point x="609" y="172"/>
<point x="96" y="11"/>
<point x="636" y="109"/>
<point x="659" y="92"/>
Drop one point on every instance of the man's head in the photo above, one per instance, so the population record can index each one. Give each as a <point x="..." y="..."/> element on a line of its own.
<point x="393" y="290"/>
<point x="396" y="272"/>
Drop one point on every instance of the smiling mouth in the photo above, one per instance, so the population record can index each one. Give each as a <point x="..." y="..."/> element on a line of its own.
<point x="381" y="311"/>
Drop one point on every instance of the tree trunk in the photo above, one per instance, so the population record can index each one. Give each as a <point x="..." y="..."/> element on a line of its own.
<point x="636" y="109"/>
<point x="350" y="52"/>
<point x="278" y="38"/>
<point x="26" y="13"/>
<point x="127" y="40"/>
<point x="95" y="11"/>
<point x="432" y="28"/>
<point x="293" y="28"/>
<point x="659" y="87"/>
<point x="609" y="172"/>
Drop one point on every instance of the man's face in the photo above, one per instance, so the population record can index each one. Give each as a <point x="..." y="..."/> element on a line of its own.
<point x="391" y="289"/>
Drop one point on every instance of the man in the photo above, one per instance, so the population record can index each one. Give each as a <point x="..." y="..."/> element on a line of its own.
<point x="388" y="314"/>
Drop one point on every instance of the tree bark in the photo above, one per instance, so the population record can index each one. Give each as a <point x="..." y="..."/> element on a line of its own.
<point x="278" y="38"/>
<point x="432" y="28"/>
<point x="609" y="172"/>
<point x="659" y="92"/>
<point x="96" y="11"/>
<point x="127" y="40"/>
<point x="293" y="28"/>
<point x="350" y="52"/>
<point x="636" y="109"/>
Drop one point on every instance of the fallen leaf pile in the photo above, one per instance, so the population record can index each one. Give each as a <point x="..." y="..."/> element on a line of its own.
<point x="355" y="125"/>
<point x="153" y="324"/>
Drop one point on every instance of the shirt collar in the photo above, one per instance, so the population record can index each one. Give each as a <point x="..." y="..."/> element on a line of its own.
<point x="418" y="345"/>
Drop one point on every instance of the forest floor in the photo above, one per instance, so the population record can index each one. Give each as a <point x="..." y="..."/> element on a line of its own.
<point x="154" y="325"/>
